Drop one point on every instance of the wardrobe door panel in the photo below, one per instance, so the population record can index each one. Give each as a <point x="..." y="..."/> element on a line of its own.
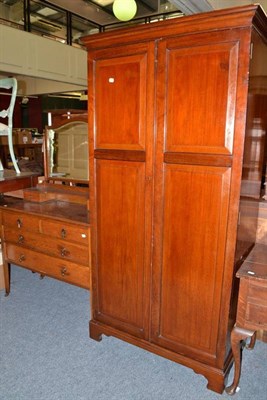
<point x="122" y="93"/>
<point x="192" y="259"/>
<point x="196" y="93"/>
<point x="200" y="97"/>
<point x="120" y="102"/>
<point x="120" y="221"/>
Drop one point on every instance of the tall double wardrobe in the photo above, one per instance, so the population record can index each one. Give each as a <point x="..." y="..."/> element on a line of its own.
<point x="170" y="110"/>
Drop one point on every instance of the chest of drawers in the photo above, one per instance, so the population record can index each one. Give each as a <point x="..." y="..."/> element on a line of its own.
<point x="252" y="306"/>
<point x="52" y="239"/>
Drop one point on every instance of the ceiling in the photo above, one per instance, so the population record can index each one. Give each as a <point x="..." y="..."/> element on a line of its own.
<point x="99" y="14"/>
<point x="90" y="16"/>
<point x="100" y="11"/>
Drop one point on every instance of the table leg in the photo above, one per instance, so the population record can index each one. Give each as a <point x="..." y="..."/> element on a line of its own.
<point x="6" y="267"/>
<point x="251" y="344"/>
<point x="238" y="335"/>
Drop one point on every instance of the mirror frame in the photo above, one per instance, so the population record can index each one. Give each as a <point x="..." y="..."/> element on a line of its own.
<point x="63" y="180"/>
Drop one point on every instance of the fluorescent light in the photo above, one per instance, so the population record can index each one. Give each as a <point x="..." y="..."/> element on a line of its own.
<point x="49" y="119"/>
<point x="47" y="11"/>
<point x="84" y="97"/>
<point x="103" y="3"/>
<point x="192" y="6"/>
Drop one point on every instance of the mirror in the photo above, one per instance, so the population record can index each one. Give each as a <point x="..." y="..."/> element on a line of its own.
<point x="67" y="152"/>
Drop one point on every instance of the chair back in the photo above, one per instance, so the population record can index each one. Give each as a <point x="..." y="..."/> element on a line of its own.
<point x="9" y="83"/>
<point x="6" y="129"/>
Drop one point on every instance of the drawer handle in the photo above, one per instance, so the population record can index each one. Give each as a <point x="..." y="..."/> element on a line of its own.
<point x="22" y="258"/>
<point x="21" y="239"/>
<point x="63" y="271"/>
<point x="19" y="223"/>
<point x="64" y="252"/>
<point x="63" y="233"/>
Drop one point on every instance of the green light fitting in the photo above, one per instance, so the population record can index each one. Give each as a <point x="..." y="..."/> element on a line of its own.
<point x="124" y="10"/>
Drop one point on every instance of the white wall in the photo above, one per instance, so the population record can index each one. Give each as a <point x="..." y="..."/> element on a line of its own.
<point x="23" y="53"/>
<point x="216" y="4"/>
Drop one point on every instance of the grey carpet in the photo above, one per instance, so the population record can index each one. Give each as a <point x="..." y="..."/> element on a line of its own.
<point x="46" y="354"/>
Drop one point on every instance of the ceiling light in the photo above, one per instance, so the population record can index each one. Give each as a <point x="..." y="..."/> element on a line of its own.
<point x="103" y="3"/>
<point x="124" y="10"/>
<point x="47" y="12"/>
<point x="24" y="100"/>
<point x="192" y="6"/>
<point x="83" y="97"/>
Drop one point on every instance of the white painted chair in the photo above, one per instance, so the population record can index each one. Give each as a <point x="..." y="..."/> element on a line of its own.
<point x="6" y="130"/>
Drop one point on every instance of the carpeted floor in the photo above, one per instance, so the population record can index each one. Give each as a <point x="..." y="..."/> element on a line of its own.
<point x="46" y="354"/>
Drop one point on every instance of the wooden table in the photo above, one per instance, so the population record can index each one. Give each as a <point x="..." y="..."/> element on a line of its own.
<point x="10" y="180"/>
<point x="252" y="306"/>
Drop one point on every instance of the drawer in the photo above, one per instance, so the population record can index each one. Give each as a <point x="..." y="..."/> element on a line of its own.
<point x="21" y="221"/>
<point x="66" y="231"/>
<point x="256" y="315"/>
<point x="257" y="292"/>
<point x="252" y="304"/>
<point x="48" y="245"/>
<point x="44" y="264"/>
<point x="256" y="304"/>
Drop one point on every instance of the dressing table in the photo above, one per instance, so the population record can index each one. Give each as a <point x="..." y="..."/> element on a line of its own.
<point x="48" y="230"/>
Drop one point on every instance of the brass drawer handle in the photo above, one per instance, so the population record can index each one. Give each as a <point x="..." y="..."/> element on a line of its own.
<point x="63" y="233"/>
<point x="19" y="223"/>
<point x="64" y="252"/>
<point x="22" y="258"/>
<point x="63" y="271"/>
<point x="21" y="239"/>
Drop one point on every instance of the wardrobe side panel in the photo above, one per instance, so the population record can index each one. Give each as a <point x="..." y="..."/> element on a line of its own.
<point x="254" y="166"/>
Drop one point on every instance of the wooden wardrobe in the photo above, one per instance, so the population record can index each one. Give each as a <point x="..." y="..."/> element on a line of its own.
<point x="168" y="110"/>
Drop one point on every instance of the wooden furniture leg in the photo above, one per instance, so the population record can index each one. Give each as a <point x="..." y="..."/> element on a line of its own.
<point x="6" y="267"/>
<point x="251" y="344"/>
<point x="238" y="335"/>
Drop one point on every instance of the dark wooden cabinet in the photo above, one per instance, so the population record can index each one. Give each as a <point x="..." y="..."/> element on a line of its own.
<point x="167" y="124"/>
<point x="48" y="237"/>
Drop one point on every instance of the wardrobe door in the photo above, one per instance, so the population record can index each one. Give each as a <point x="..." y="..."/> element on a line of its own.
<point x="121" y="93"/>
<point x="198" y="82"/>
